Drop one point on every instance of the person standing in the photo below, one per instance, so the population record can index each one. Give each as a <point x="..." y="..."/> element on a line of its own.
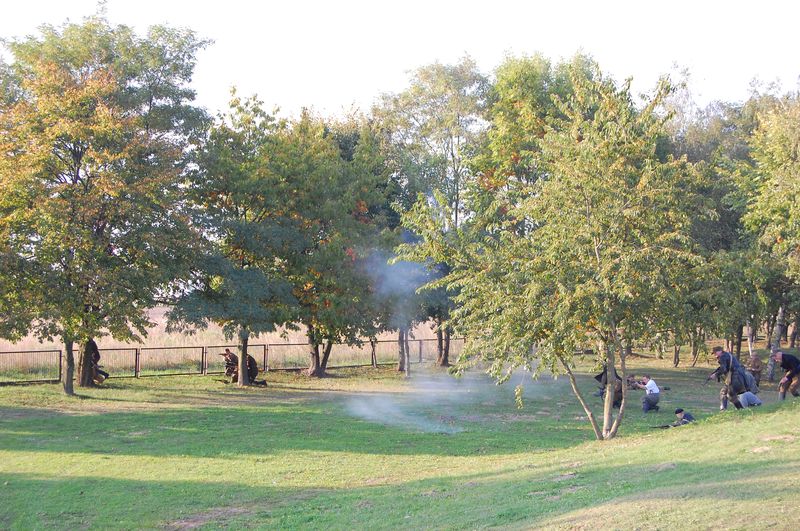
<point x="731" y="372"/>
<point x="651" y="393"/>
<point x="791" y="379"/>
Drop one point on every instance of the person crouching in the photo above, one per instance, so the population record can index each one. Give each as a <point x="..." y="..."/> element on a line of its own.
<point x="651" y="393"/>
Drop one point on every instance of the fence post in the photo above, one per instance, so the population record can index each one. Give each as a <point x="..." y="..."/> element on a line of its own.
<point x="60" y="365"/>
<point x="266" y="348"/>
<point x="420" y="350"/>
<point x="204" y="361"/>
<point x="137" y="363"/>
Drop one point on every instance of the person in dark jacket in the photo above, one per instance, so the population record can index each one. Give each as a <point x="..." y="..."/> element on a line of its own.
<point x="98" y="374"/>
<point x="231" y="364"/>
<point x="791" y="379"/>
<point x="731" y="372"/>
<point x="683" y="417"/>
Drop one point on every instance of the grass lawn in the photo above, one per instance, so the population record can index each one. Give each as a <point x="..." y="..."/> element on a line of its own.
<point x="368" y="449"/>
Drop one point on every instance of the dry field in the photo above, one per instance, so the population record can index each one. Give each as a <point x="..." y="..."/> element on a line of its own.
<point x="172" y="353"/>
<point x="157" y="336"/>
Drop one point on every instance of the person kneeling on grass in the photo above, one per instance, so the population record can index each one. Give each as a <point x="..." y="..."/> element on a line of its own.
<point x="749" y="399"/>
<point x="651" y="393"/>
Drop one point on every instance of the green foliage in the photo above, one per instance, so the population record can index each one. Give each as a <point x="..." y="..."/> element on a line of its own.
<point x="775" y="215"/>
<point x="433" y="127"/>
<point x="591" y="250"/>
<point x="92" y="154"/>
<point x="239" y="283"/>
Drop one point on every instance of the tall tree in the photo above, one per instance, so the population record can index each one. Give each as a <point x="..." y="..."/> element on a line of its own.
<point x="585" y="254"/>
<point x="239" y="205"/>
<point x="433" y="129"/>
<point x="774" y="215"/>
<point x="334" y="182"/>
<point x="92" y="151"/>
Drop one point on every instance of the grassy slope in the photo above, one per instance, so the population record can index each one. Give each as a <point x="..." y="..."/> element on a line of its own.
<point x="169" y="452"/>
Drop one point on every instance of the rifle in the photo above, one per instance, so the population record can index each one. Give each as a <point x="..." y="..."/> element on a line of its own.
<point x="662" y="427"/>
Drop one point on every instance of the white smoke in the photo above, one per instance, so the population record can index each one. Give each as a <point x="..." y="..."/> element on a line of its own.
<point x="437" y="402"/>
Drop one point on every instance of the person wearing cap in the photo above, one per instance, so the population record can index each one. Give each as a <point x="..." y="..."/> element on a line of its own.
<point x="651" y="393"/>
<point x="755" y="366"/>
<point x="683" y="417"/>
<point x="231" y="363"/>
<point x="732" y="373"/>
<point x="791" y="379"/>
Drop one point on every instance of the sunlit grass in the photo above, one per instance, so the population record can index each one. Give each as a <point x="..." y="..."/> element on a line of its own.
<point x="436" y="453"/>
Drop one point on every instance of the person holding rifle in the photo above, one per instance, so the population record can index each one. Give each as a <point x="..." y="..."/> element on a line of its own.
<point x="731" y="372"/>
<point x="651" y="393"/>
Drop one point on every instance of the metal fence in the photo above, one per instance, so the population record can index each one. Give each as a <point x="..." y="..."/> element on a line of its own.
<point x="32" y="366"/>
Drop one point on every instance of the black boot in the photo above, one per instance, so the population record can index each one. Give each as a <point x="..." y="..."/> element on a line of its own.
<point x="737" y="403"/>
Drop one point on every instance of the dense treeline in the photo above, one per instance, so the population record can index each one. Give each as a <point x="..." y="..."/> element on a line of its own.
<point x="546" y="210"/>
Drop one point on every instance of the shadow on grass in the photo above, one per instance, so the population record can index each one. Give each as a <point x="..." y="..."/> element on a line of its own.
<point x="457" y="419"/>
<point x="518" y="496"/>
<point x="215" y="431"/>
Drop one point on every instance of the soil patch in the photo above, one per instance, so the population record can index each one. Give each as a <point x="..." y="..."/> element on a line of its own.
<point x="207" y="517"/>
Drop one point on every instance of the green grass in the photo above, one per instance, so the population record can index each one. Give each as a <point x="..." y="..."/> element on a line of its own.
<point x="367" y="449"/>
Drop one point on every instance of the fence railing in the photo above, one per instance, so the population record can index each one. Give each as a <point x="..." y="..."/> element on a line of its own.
<point x="30" y="366"/>
<point x="33" y="366"/>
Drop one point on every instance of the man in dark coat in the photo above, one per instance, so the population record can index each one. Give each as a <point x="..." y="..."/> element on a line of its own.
<point x="731" y="372"/>
<point x="791" y="379"/>
<point x="232" y="366"/>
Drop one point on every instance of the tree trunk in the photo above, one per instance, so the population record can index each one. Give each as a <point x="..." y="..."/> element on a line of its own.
<point x="770" y="324"/>
<point x="374" y="356"/>
<point x="573" y="383"/>
<point x="676" y="355"/>
<point x="326" y="355"/>
<point x="751" y="337"/>
<point x="314" y="368"/>
<point x="780" y="323"/>
<point x="608" y="404"/>
<point x="244" y="376"/>
<point x="739" y="335"/>
<point x="623" y="357"/>
<point x="86" y="364"/>
<point x="795" y="329"/>
<point x="408" y="349"/>
<point x="69" y="373"/>
<point x="408" y="354"/>
<point x="445" y="361"/>
<point x="439" y="344"/>
<point x="695" y="338"/>
<point x="401" y="352"/>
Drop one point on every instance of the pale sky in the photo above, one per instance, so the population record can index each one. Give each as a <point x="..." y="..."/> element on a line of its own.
<point x="336" y="54"/>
